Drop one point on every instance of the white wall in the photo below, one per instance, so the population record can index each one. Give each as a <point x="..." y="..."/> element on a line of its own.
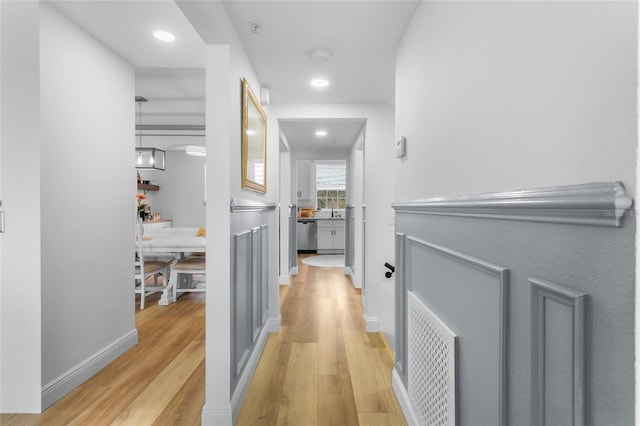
<point x="87" y="194"/>
<point x="69" y="173"/>
<point x="181" y="192"/>
<point x="20" y="277"/>
<point x="497" y="96"/>
<point x="507" y="95"/>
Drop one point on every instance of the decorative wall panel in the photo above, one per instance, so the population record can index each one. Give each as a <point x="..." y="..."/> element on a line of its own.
<point x="469" y="295"/>
<point x="432" y="365"/>
<point x="250" y="281"/>
<point x="530" y="352"/>
<point x="241" y="293"/>
<point x="558" y="354"/>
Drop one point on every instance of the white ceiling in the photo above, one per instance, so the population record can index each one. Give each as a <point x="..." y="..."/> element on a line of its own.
<point x="361" y="36"/>
<point x="341" y="133"/>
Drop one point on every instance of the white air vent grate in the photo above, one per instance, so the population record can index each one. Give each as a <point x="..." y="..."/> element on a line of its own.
<point x="431" y="366"/>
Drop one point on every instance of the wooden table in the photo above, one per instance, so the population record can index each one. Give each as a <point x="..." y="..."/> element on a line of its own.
<point x="172" y="241"/>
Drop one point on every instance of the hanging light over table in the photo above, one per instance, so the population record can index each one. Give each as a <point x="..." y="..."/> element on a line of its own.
<point x="147" y="158"/>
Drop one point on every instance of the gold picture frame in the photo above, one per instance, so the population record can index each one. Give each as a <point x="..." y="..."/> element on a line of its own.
<point x="254" y="141"/>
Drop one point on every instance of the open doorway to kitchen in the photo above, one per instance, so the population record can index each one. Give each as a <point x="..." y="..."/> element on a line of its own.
<point x="324" y="181"/>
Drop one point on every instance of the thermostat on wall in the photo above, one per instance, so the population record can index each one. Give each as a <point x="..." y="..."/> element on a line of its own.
<point x="401" y="147"/>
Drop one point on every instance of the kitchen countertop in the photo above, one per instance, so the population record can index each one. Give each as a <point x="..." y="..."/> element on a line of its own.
<point x="313" y="219"/>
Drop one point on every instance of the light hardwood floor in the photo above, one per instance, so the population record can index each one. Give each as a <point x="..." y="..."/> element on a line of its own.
<point x="322" y="368"/>
<point x="160" y="381"/>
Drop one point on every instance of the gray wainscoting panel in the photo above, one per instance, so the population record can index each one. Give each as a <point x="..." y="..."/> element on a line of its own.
<point x="256" y="282"/>
<point x="293" y="237"/>
<point x="401" y="303"/>
<point x="250" y="280"/>
<point x="469" y="295"/>
<point x="581" y="236"/>
<point x="242" y="286"/>
<point x="558" y="354"/>
<point x="349" y="225"/>
<point x="264" y="282"/>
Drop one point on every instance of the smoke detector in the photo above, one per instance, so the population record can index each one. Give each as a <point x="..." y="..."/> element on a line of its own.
<point x="255" y="27"/>
<point x="320" y="56"/>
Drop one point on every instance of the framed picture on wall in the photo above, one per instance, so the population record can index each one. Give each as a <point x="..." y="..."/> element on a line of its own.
<point x="254" y="141"/>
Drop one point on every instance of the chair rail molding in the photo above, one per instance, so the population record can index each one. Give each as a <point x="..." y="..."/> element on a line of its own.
<point x="251" y="206"/>
<point x="599" y="203"/>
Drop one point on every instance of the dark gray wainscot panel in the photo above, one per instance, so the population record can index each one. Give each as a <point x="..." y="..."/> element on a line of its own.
<point x="538" y="285"/>
<point x="250" y="279"/>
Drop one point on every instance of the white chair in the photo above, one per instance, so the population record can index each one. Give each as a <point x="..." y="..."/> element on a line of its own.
<point x="148" y="268"/>
<point x="190" y="266"/>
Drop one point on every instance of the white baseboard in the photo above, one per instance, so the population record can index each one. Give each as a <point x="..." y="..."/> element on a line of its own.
<point x="271" y="326"/>
<point x="216" y="416"/>
<point x="403" y="399"/>
<point x="371" y="324"/>
<point x="294" y="271"/>
<point x="66" y="382"/>
<point x="283" y="280"/>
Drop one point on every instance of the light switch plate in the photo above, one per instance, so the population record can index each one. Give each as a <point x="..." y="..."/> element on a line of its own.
<point x="401" y="147"/>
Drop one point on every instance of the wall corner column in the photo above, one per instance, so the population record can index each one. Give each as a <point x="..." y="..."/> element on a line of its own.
<point x="217" y="409"/>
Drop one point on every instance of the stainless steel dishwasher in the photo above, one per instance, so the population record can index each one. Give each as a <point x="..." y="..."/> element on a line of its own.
<point x="307" y="235"/>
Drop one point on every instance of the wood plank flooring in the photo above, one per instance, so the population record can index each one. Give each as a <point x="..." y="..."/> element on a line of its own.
<point x="160" y="381"/>
<point x="322" y="368"/>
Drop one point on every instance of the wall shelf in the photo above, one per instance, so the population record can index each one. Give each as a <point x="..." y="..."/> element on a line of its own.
<point x="146" y="187"/>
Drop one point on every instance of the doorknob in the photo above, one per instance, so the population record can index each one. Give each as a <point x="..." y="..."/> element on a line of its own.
<point x="391" y="270"/>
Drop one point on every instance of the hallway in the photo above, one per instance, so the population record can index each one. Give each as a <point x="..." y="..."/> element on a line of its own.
<point x="322" y="368"/>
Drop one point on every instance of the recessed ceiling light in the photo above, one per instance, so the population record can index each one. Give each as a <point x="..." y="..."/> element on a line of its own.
<point x="321" y="133"/>
<point x="319" y="82"/>
<point x="164" y="36"/>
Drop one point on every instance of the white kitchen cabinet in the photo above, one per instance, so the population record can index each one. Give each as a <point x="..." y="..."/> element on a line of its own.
<point x="306" y="193"/>
<point x="331" y="236"/>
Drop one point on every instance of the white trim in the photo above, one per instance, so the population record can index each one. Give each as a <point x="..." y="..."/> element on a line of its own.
<point x="74" y="377"/>
<point x="283" y="280"/>
<point x="371" y="324"/>
<point x="271" y="326"/>
<point x="294" y="271"/>
<point x="600" y="203"/>
<point x="349" y="271"/>
<point x="216" y="416"/>
<point x="403" y="399"/>
<point x="251" y="206"/>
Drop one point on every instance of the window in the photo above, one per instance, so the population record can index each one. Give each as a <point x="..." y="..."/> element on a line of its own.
<point x="331" y="182"/>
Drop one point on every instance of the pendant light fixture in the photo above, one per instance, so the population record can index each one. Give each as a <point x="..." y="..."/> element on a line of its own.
<point x="147" y="158"/>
